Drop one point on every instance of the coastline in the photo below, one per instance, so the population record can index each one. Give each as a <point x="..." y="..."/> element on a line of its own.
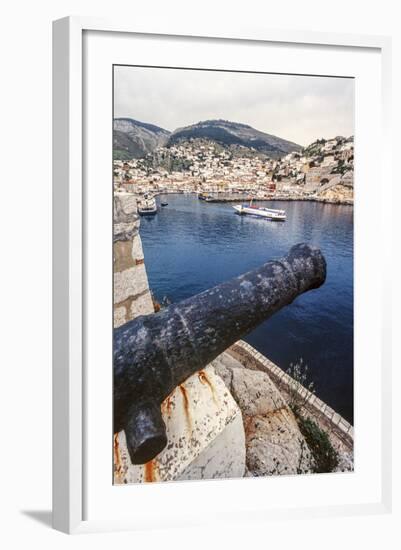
<point x="345" y="202"/>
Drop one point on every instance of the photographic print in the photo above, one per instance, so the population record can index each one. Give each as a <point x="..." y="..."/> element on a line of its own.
<point x="233" y="199"/>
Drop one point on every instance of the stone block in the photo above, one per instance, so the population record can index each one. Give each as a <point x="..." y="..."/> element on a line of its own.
<point x="254" y="392"/>
<point x="137" y="251"/>
<point x="351" y="432"/>
<point x="132" y="307"/>
<point x="223" y="458"/>
<point x="344" y="425"/>
<point x="120" y="316"/>
<point x="274" y="444"/>
<point x="130" y="282"/>
<point x="336" y="418"/>
<point x="205" y="436"/>
<point x="142" y="305"/>
<point x="125" y="217"/>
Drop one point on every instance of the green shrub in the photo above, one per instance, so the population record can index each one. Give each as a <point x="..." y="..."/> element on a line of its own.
<point x="326" y="457"/>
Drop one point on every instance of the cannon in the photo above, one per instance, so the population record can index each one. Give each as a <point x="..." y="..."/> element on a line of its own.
<point x="155" y="353"/>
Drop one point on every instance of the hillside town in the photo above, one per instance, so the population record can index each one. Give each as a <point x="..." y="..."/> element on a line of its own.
<point x="323" y="171"/>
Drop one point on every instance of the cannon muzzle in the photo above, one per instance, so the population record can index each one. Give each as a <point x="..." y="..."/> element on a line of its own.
<point x="155" y="353"/>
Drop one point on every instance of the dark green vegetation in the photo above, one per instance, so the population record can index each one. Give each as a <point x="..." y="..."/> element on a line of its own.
<point x="234" y="133"/>
<point x="314" y="148"/>
<point x="121" y="154"/>
<point x="324" y="454"/>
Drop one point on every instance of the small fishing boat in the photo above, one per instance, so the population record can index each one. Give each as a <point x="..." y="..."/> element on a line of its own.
<point x="269" y="213"/>
<point x="164" y="203"/>
<point x="147" y="206"/>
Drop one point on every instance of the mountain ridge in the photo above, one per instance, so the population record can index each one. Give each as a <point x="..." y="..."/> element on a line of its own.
<point x="235" y="133"/>
<point x="136" y="138"/>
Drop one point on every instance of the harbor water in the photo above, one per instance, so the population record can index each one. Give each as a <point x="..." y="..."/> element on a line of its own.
<point x="191" y="245"/>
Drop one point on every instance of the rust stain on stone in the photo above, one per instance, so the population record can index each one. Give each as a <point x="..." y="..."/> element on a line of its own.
<point x="250" y="427"/>
<point x="118" y="467"/>
<point x="186" y="404"/>
<point x="205" y="380"/>
<point x="277" y="412"/>
<point x="167" y="404"/>
<point x="150" y="471"/>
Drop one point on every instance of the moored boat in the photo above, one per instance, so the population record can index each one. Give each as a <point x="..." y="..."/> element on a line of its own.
<point x="203" y="197"/>
<point x="269" y="213"/>
<point x="147" y="206"/>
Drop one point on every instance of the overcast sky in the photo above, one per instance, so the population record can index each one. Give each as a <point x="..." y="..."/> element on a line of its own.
<point x="297" y="108"/>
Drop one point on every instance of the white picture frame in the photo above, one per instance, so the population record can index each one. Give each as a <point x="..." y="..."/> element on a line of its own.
<point x="70" y="260"/>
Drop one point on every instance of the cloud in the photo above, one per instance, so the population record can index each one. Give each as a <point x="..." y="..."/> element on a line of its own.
<point x="297" y="108"/>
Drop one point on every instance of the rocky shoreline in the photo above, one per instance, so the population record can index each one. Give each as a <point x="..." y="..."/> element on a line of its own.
<point x="338" y="430"/>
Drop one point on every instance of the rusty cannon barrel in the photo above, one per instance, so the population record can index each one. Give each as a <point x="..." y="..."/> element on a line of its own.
<point x="155" y="353"/>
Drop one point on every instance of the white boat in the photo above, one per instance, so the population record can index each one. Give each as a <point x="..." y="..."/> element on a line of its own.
<point x="270" y="213"/>
<point x="147" y="206"/>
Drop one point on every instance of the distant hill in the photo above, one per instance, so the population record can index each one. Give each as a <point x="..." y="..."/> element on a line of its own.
<point x="135" y="139"/>
<point x="233" y="133"/>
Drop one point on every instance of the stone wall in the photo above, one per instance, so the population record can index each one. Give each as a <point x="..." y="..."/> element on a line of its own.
<point x="131" y="289"/>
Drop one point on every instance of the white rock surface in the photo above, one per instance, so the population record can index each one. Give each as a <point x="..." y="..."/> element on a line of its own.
<point x="223" y="458"/>
<point x="205" y="435"/>
<point x="274" y="444"/>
